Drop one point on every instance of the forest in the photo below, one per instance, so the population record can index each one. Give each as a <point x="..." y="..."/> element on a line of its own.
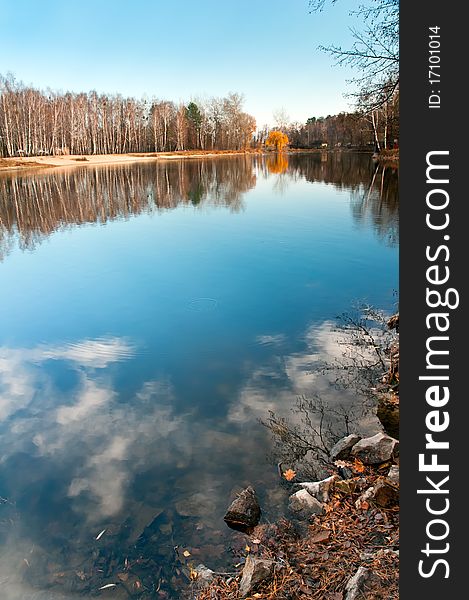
<point x="40" y="123"/>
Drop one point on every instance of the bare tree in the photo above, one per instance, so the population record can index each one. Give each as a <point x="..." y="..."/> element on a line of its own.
<point x="374" y="52"/>
<point x="33" y="122"/>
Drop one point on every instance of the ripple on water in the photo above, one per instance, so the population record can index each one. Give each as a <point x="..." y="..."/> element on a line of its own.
<point x="202" y="305"/>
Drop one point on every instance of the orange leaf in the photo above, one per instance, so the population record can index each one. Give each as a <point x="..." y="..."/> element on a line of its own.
<point x="358" y="466"/>
<point x="289" y="474"/>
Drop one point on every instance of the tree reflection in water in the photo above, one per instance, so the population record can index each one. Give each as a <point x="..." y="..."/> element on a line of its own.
<point x="33" y="205"/>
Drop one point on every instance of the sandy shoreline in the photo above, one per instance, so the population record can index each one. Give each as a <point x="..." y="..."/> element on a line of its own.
<point x="33" y="162"/>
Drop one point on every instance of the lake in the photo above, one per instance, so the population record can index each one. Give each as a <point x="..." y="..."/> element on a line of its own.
<point x="151" y="314"/>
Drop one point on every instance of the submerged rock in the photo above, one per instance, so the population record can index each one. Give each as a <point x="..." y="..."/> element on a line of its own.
<point x="204" y="576"/>
<point x="256" y="570"/>
<point x="376" y="449"/>
<point x="244" y="512"/>
<point x="342" y="449"/>
<point x="304" y="504"/>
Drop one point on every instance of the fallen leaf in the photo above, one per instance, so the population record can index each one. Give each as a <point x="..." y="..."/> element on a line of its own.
<point x="289" y="474"/>
<point x="358" y="466"/>
<point x="81" y="575"/>
<point x="321" y="536"/>
<point x="256" y="541"/>
<point x="248" y="548"/>
<point x="186" y="553"/>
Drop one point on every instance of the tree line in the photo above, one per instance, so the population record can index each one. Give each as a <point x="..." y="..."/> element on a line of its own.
<point x="374" y="54"/>
<point x="373" y="130"/>
<point x="35" y="122"/>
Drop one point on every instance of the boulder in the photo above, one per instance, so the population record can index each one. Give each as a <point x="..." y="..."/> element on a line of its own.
<point x="256" y="570"/>
<point x="341" y="450"/>
<point x="319" y="489"/>
<point x="304" y="504"/>
<point x="244" y="512"/>
<point x="376" y="449"/>
<point x="361" y="584"/>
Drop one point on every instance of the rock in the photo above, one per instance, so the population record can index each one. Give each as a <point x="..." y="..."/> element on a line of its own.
<point x="393" y="475"/>
<point x="204" y="576"/>
<point x="385" y="494"/>
<point x="363" y="499"/>
<point x="244" y="512"/>
<point x="319" y="489"/>
<point x="345" y="472"/>
<point x="376" y="449"/>
<point x="389" y="415"/>
<point x="306" y="505"/>
<point x="256" y="570"/>
<point x="341" y="450"/>
<point x="360" y="585"/>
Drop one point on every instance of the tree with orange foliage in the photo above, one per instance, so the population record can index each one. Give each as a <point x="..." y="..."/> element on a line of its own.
<point x="277" y="140"/>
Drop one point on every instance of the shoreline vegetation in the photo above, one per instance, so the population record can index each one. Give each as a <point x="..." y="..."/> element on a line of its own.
<point x="47" y="162"/>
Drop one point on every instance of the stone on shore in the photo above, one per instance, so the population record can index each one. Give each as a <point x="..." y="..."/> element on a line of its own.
<point x="393" y="475"/>
<point x="385" y="494"/>
<point x="305" y="505"/>
<point x="376" y="449"/>
<point x="361" y="584"/>
<point x="244" y="512"/>
<point x="341" y="450"/>
<point x="319" y="489"/>
<point x="256" y="570"/>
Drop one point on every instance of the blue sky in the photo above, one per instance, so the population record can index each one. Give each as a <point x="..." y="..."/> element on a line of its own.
<point x="178" y="50"/>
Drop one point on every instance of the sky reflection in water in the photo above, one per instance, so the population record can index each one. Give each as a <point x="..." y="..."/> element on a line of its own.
<point x="150" y="315"/>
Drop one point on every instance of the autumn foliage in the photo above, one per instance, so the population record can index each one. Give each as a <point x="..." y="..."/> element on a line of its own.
<point x="277" y="163"/>
<point x="277" y="140"/>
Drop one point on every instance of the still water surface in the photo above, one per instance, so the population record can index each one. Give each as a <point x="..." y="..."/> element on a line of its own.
<point x="150" y="315"/>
